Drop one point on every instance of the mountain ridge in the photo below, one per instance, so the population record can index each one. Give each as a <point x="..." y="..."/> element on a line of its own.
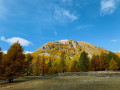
<point x="72" y="47"/>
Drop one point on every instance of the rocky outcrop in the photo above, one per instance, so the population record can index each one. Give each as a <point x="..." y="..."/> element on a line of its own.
<point x="72" y="46"/>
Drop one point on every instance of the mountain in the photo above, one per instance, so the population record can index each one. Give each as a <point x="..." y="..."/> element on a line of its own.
<point x="71" y="48"/>
<point x="118" y="54"/>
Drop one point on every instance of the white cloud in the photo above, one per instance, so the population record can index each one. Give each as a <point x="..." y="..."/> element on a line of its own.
<point x="27" y="52"/>
<point x="12" y="40"/>
<point x="70" y="15"/>
<point x="5" y="52"/>
<point x="113" y="40"/>
<point x="116" y="51"/>
<point x="62" y="14"/>
<point x="108" y="6"/>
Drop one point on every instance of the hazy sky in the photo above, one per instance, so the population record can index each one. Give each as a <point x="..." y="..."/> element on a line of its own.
<point x="35" y="22"/>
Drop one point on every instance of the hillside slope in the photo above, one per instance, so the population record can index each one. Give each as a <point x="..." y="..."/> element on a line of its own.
<point x="71" y="47"/>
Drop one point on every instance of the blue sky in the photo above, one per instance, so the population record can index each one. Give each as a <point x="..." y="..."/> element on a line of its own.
<point x="35" y="22"/>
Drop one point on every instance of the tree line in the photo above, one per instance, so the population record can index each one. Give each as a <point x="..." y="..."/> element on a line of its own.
<point x="15" y="63"/>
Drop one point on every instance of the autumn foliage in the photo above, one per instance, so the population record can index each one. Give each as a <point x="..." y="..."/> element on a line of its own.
<point x="15" y="63"/>
<point x="94" y="64"/>
<point x="113" y="65"/>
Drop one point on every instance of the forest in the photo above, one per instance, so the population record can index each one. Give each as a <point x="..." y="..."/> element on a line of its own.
<point x="16" y="64"/>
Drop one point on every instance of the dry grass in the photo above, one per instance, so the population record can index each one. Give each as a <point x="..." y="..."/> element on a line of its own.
<point x="67" y="83"/>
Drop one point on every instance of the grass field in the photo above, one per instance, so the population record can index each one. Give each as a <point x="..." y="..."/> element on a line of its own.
<point x="74" y="82"/>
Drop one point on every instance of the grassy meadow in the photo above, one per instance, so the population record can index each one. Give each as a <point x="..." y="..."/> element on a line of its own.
<point x="70" y="81"/>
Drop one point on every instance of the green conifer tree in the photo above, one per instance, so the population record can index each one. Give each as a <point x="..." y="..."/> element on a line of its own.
<point x="84" y="61"/>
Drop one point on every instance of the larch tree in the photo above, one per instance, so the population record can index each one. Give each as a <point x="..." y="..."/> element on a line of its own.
<point x="75" y="63"/>
<point x="114" y="56"/>
<point x="37" y="66"/>
<point x="14" y="63"/>
<point x="55" y="67"/>
<point x="109" y="57"/>
<point x="113" y="65"/>
<point x="29" y="59"/>
<point x="102" y="61"/>
<point x="68" y="63"/>
<point x="1" y="54"/>
<point x="62" y="62"/>
<point x="84" y="62"/>
<point x="94" y="66"/>
<point x="43" y="65"/>
<point x="75" y="66"/>
<point x="50" y="64"/>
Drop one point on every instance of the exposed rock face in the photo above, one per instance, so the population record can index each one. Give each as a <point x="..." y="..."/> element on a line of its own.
<point x="70" y="43"/>
<point x="72" y="47"/>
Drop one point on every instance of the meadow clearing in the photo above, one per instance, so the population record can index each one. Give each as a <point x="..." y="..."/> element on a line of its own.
<point x="68" y="81"/>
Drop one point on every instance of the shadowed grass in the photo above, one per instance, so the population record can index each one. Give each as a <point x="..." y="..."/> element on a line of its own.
<point x="65" y="83"/>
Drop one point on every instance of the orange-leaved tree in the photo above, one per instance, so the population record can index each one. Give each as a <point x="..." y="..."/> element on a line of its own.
<point x="102" y="61"/>
<point x="62" y="62"/>
<point x="0" y="55"/>
<point x="13" y="64"/>
<point x="113" y="65"/>
<point x="94" y="64"/>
